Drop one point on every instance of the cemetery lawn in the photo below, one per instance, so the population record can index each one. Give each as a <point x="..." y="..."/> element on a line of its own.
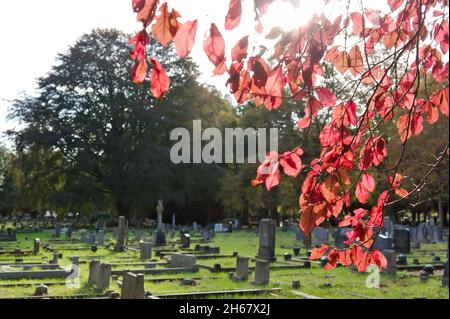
<point x="339" y="283"/>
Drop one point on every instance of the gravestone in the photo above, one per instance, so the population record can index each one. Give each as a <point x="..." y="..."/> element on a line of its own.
<point x="122" y="235"/>
<point x="445" y="275"/>
<point x="262" y="272"/>
<point x="321" y="234"/>
<point x="206" y="235"/>
<point x="132" y="286"/>
<point x="146" y="250"/>
<point x="159" y="236"/>
<point x="174" y="225"/>
<point x="101" y="237"/>
<point x="183" y="261"/>
<point x="241" y="268"/>
<point x="391" y="259"/>
<point x="104" y="276"/>
<point x="69" y="231"/>
<point x="37" y="246"/>
<point x="195" y="227"/>
<point x="383" y="242"/>
<point x="137" y="235"/>
<point x="57" y="230"/>
<point x="341" y="236"/>
<point x="388" y="227"/>
<point x="94" y="270"/>
<point x="267" y="233"/>
<point x="402" y="241"/>
<point x="185" y="240"/>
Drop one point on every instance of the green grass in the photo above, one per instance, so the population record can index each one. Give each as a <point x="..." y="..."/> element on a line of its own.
<point x="345" y="283"/>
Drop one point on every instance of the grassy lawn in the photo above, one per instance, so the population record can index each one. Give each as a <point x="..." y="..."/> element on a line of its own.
<point x="340" y="283"/>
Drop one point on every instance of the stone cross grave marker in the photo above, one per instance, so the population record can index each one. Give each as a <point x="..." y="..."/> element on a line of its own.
<point x="159" y="236"/>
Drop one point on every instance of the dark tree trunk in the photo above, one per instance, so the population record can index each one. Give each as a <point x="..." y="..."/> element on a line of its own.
<point x="123" y="208"/>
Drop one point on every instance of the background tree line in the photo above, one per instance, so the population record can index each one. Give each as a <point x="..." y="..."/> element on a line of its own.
<point x="91" y="141"/>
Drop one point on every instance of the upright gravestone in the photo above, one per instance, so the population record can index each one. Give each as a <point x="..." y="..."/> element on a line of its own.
<point x="391" y="259"/>
<point x="174" y="225"/>
<point x="183" y="261"/>
<point x="445" y="275"/>
<point x="37" y="246"/>
<point x="94" y="270"/>
<point x="69" y="232"/>
<point x="402" y="240"/>
<point x="195" y="227"/>
<point x="137" y="235"/>
<point x="383" y="242"/>
<point x="122" y="234"/>
<point x="321" y="234"/>
<point x="267" y="233"/>
<point x="206" y="235"/>
<point x="185" y="240"/>
<point x="57" y="230"/>
<point x="159" y="236"/>
<point x="101" y="237"/>
<point x="388" y="226"/>
<point x="146" y="250"/>
<point x="132" y="286"/>
<point x="104" y="276"/>
<point x="262" y="272"/>
<point x="241" y="268"/>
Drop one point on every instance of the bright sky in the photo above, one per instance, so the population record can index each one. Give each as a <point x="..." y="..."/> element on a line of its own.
<point x="33" y="32"/>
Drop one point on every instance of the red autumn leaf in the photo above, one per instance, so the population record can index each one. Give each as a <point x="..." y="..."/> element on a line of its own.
<point x="333" y="258"/>
<point x="239" y="51"/>
<point x="140" y="41"/>
<point x="268" y="171"/>
<point x="147" y="12"/>
<point x="274" y="88"/>
<point x="138" y="5"/>
<point x="326" y="97"/>
<point x="395" y="4"/>
<point x="368" y="182"/>
<point x="166" y="26"/>
<point x="319" y="252"/>
<point x="185" y="38"/>
<point x="233" y="17"/>
<point x="214" y="46"/>
<point x="307" y="220"/>
<point x="361" y="193"/>
<point x="139" y="72"/>
<point x="291" y="163"/>
<point x="401" y="192"/>
<point x="304" y="122"/>
<point x="159" y="79"/>
<point x="355" y="61"/>
<point x="357" y="19"/>
<point x="342" y="62"/>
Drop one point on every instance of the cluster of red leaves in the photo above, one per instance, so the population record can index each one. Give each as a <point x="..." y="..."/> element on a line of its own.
<point x="350" y="144"/>
<point x="354" y="256"/>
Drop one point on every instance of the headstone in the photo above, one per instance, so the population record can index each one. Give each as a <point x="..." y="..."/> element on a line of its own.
<point x="383" y="242"/>
<point x="391" y="262"/>
<point x="402" y="241"/>
<point x="185" y="240"/>
<point x="321" y="234"/>
<point x="55" y="258"/>
<point x="296" y="251"/>
<point x="37" y="245"/>
<point x="137" y="235"/>
<point x="241" y="268"/>
<point x="174" y="221"/>
<point x="69" y="231"/>
<point x="262" y="272"/>
<point x="159" y="236"/>
<point x="41" y="290"/>
<point x="122" y="235"/>
<point x="94" y="270"/>
<point x="267" y="233"/>
<point x="195" y="227"/>
<point x="445" y="275"/>
<point x="388" y="226"/>
<point x="132" y="286"/>
<point x="146" y="250"/>
<point x="104" y="276"/>
<point x="183" y="261"/>
<point x="57" y="230"/>
<point x="101" y="237"/>
<point x="206" y="235"/>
